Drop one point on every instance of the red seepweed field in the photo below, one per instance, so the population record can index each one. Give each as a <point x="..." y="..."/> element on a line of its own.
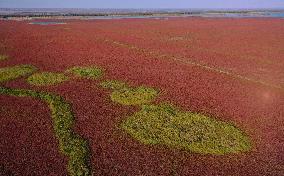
<point x="228" y="69"/>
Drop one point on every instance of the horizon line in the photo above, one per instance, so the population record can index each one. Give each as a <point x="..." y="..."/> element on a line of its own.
<point x="245" y="8"/>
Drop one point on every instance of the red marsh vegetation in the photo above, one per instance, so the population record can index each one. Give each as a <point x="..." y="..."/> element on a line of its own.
<point x="227" y="69"/>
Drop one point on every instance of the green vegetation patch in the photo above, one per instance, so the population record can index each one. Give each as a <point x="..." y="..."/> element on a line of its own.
<point x="113" y="84"/>
<point x="46" y="79"/>
<point x="92" y="72"/>
<point x="134" y="96"/>
<point x="3" y="57"/>
<point x="165" y="125"/>
<point x="72" y="145"/>
<point x="10" y="73"/>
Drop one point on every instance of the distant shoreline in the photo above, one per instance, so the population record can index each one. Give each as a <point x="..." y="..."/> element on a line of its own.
<point x="12" y="13"/>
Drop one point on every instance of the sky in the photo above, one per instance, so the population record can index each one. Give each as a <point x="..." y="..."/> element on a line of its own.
<point x="142" y="4"/>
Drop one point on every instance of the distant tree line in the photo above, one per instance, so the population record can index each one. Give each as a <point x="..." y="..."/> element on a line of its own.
<point x="156" y="13"/>
<point x="48" y="14"/>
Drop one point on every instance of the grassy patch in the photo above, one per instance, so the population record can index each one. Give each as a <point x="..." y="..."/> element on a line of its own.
<point x="134" y="96"/>
<point x="166" y="125"/>
<point x="3" y="57"/>
<point x="72" y="145"/>
<point x="113" y="84"/>
<point x="10" y="73"/>
<point x="46" y="79"/>
<point x="93" y="72"/>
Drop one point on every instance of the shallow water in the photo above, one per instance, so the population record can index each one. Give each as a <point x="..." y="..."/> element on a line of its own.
<point x="224" y="15"/>
<point x="128" y="17"/>
<point x="166" y="17"/>
<point x="281" y="15"/>
<point x="47" y="23"/>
